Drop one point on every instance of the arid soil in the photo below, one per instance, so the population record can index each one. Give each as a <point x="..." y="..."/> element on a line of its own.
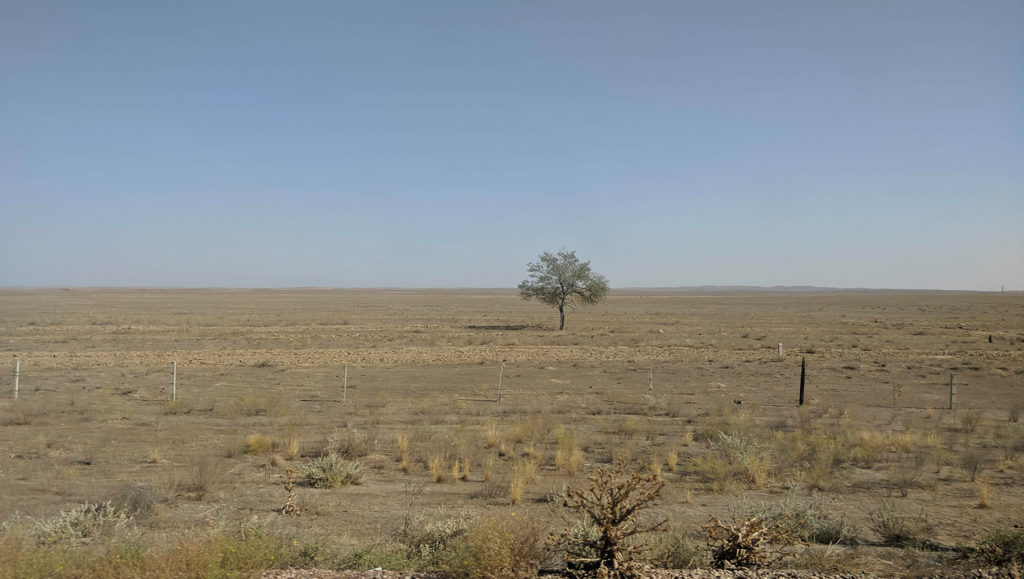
<point x="640" y="376"/>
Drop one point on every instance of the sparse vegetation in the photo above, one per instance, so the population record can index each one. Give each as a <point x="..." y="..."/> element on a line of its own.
<point x="719" y="428"/>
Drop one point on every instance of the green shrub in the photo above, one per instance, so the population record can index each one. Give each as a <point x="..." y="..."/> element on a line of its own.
<point x="87" y="521"/>
<point x="438" y="543"/>
<point x="804" y="518"/>
<point x="331" y="471"/>
<point x="222" y="554"/>
<point x="392" y="556"/>
<point x="1002" y="548"/>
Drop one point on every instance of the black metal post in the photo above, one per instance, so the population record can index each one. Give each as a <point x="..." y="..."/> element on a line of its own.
<point x="803" y="374"/>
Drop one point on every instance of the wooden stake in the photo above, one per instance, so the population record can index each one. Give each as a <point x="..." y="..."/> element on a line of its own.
<point x="344" y="385"/>
<point x="803" y="375"/>
<point x="174" y="381"/>
<point x="501" y="374"/>
<point x="17" y="363"/>
<point x="952" y="391"/>
<point x="650" y="379"/>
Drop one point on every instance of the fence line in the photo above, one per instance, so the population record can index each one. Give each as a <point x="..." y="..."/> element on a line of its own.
<point x="471" y="382"/>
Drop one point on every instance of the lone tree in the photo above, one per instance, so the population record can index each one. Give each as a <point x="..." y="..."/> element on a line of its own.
<point x="561" y="280"/>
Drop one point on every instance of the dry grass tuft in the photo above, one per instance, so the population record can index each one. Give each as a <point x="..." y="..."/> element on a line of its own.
<point x="984" y="497"/>
<point x="437" y="468"/>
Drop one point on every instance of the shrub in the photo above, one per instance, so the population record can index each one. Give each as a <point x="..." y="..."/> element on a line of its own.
<point x="805" y="519"/>
<point x="136" y="499"/>
<point x="612" y="503"/>
<point x="351" y="444"/>
<point x="202" y="475"/>
<point x="713" y="470"/>
<point x="384" y="555"/>
<point x="504" y="546"/>
<point x="891" y="527"/>
<point x="750" y="543"/>
<point x="969" y="422"/>
<point x="81" y="523"/>
<point x="1002" y="548"/>
<point x="676" y="551"/>
<point x="258" y="444"/>
<point x="331" y="471"/>
<point x="908" y="472"/>
<point x="972" y="462"/>
<point x="437" y="543"/>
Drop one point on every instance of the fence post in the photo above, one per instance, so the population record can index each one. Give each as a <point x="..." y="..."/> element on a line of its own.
<point x="952" y="391"/>
<point x="650" y="379"/>
<point x="344" y="385"/>
<point x="803" y="375"/>
<point x="780" y="351"/>
<point x="174" y="381"/>
<point x="17" y="364"/>
<point x="501" y="374"/>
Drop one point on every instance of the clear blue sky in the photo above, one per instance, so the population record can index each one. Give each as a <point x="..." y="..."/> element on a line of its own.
<point x="425" y="144"/>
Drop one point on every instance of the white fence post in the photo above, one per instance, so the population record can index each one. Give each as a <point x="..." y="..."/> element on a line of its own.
<point x="17" y="364"/>
<point x="780" y="350"/>
<point x="174" y="381"/>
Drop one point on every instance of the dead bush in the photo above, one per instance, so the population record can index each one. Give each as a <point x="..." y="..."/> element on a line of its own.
<point x="750" y="543"/>
<point x="612" y="504"/>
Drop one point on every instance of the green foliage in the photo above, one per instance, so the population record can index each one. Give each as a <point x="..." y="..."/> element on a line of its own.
<point x="393" y="556"/>
<point x="806" y="519"/>
<point x="222" y="554"/>
<point x="1002" y="548"/>
<point x="429" y="541"/>
<point x="82" y="523"/>
<point x="561" y="280"/>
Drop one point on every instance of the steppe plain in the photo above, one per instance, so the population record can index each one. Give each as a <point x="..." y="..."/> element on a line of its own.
<point x="640" y="377"/>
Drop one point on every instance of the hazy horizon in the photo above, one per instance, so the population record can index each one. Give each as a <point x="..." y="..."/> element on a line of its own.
<point x="447" y="144"/>
<point x="692" y="289"/>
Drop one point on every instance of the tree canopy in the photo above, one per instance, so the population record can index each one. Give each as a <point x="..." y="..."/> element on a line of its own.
<point x="561" y="280"/>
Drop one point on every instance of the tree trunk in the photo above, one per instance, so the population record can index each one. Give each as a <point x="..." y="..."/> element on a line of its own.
<point x="561" y="315"/>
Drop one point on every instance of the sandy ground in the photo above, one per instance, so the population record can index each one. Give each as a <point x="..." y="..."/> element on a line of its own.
<point x="635" y="374"/>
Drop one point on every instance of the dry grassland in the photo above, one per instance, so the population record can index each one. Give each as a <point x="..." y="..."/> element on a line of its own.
<point x="260" y="391"/>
